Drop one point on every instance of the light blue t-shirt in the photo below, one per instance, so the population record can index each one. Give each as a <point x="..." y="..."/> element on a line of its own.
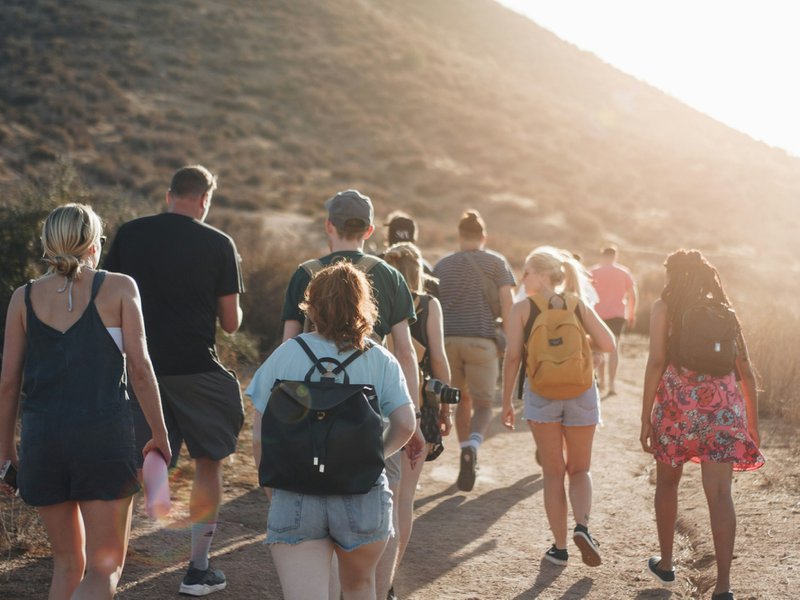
<point x="289" y="362"/>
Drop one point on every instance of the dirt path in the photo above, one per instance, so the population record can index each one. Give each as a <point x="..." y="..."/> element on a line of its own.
<point x="488" y="544"/>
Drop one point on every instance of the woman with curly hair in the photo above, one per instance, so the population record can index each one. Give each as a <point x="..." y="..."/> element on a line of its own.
<point x="303" y="530"/>
<point x="691" y="415"/>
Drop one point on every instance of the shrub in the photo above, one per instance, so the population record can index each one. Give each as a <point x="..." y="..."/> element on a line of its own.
<point x="770" y="341"/>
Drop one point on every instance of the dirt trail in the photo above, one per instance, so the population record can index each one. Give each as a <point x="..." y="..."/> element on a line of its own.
<point x="488" y="544"/>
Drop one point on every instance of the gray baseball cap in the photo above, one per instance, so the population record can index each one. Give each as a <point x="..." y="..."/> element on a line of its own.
<point x="349" y="204"/>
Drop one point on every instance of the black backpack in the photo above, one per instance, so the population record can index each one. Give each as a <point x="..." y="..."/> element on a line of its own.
<point x="322" y="437"/>
<point x="708" y="339"/>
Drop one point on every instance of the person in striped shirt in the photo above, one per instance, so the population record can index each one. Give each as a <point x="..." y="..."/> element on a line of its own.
<point x="475" y="291"/>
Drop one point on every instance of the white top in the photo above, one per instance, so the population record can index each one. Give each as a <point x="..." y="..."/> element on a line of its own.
<point x="116" y="335"/>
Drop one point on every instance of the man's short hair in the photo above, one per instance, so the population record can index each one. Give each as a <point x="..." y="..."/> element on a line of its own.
<point x="609" y="251"/>
<point x="192" y="181"/>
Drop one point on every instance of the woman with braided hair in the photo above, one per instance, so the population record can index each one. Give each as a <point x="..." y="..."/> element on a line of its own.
<point x="691" y="415"/>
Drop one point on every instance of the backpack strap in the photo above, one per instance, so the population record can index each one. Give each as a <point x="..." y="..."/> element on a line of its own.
<point x="367" y="262"/>
<point x="329" y="373"/>
<point x="535" y="311"/>
<point x="488" y="286"/>
<point x="312" y="267"/>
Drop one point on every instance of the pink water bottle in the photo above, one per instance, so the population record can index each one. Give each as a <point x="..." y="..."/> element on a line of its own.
<point x="156" y="485"/>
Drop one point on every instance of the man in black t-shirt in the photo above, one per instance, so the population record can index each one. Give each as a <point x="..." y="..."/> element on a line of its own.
<point x="189" y="277"/>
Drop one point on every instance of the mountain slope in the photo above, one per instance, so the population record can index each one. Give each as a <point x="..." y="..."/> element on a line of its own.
<point x="428" y="105"/>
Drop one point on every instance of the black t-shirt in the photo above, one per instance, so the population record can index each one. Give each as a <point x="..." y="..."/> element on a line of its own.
<point x="182" y="266"/>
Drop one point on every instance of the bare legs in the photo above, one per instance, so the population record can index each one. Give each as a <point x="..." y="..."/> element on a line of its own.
<point x="385" y="568"/>
<point x="666" y="505"/>
<point x="550" y="439"/>
<point x="304" y="569"/>
<point x="206" y="495"/>
<point x="717" y="487"/>
<point x="89" y="536"/>
<point x="405" y="503"/>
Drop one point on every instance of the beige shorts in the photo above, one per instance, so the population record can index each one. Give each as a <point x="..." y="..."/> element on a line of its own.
<point x="473" y="366"/>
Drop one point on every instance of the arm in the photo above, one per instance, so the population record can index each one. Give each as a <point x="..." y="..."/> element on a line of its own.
<point x="402" y="428"/>
<point x="407" y="357"/>
<point x="11" y="377"/>
<point x="630" y="305"/>
<point x="656" y="363"/>
<point x="749" y="390"/>
<point x="440" y="368"/>
<point x="513" y="357"/>
<point x="229" y="313"/>
<point x="506" y="302"/>
<point x="257" y="416"/>
<point x="601" y="336"/>
<point x="140" y="368"/>
<point x="291" y="328"/>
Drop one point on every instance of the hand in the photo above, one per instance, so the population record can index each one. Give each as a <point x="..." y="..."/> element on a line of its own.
<point x="4" y="487"/>
<point x="646" y="437"/>
<point x="162" y="445"/>
<point x="752" y="430"/>
<point x="508" y="415"/>
<point x="445" y="421"/>
<point x="415" y="447"/>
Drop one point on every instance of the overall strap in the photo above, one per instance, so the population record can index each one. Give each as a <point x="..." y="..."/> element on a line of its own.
<point x="28" y="295"/>
<point x="99" y="278"/>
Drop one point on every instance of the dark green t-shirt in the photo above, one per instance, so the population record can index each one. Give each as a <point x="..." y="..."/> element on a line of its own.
<point x="394" y="298"/>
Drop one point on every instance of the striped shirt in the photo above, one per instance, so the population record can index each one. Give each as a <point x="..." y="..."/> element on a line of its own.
<point x="466" y="311"/>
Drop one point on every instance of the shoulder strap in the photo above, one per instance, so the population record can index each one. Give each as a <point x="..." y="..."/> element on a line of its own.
<point x="475" y="266"/>
<point x="367" y="262"/>
<point x="540" y="302"/>
<point x="535" y="312"/>
<point x="312" y="267"/>
<point x="28" y="294"/>
<point x="340" y="366"/>
<point x="99" y="278"/>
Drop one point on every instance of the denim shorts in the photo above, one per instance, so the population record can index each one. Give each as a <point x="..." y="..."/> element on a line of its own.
<point x="581" y="411"/>
<point x="350" y="521"/>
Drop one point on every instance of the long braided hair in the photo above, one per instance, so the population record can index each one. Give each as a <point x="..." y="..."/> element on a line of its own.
<point x="690" y="279"/>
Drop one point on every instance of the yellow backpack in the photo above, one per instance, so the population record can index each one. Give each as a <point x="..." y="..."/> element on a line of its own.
<point x="559" y="359"/>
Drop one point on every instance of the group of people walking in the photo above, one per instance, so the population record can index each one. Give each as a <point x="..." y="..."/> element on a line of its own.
<point x="119" y="362"/>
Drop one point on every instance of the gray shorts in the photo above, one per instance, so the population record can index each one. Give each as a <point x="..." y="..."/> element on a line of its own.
<point x="581" y="411"/>
<point x="204" y="410"/>
<point x="350" y="521"/>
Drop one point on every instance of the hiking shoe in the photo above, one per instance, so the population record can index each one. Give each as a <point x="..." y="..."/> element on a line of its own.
<point x="723" y="596"/>
<point x="666" y="577"/>
<point x="466" y="472"/>
<point x="556" y="556"/>
<point x="202" y="583"/>
<point x="590" y="553"/>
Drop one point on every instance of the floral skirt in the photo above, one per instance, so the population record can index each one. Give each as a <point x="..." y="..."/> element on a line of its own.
<point x="702" y="418"/>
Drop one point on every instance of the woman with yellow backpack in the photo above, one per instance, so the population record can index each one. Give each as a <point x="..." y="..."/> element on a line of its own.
<point x="554" y="331"/>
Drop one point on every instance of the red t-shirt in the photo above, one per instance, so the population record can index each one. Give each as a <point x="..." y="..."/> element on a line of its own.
<point x="612" y="282"/>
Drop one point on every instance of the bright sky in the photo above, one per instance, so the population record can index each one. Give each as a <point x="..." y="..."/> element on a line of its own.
<point x="735" y="60"/>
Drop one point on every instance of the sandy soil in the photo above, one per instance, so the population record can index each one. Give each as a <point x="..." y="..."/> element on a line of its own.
<point x="488" y="544"/>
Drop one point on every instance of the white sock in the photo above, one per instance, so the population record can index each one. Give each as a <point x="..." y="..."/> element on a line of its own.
<point x="202" y="534"/>
<point x="475" y="440"/>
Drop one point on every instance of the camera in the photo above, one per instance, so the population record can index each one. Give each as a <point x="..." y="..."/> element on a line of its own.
<point x="435" y="390"/>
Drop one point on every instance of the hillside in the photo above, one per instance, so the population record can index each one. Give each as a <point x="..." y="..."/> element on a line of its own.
<point x="429" y="105"/>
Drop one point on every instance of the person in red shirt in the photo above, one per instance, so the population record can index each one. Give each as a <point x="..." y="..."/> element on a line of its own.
<point x="616" y="305"/>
